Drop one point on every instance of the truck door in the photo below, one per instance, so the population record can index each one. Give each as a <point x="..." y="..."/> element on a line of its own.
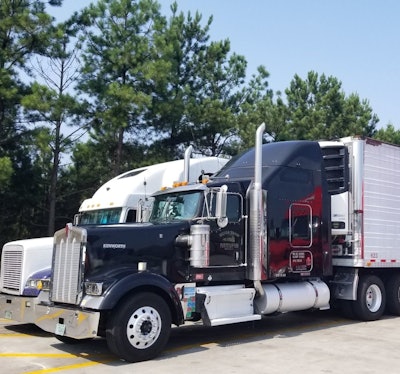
<point x="227" y="244"/>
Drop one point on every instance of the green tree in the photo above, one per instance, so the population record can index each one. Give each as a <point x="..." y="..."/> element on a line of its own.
<point x="199" y="101"/>
<point x="5" y="172"/>
<point x="388" y="134"/>
<point x="317" y="108"/>
<point x="257" y="107"/>
<point x="81" y="178"/>
<point x="119" y="62"/>
<point x="51" y="105"/>
<point x="23" y="31"/>
<point x="215" y="100"/>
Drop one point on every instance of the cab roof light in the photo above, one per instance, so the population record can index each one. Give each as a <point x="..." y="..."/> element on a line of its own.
<point x="179" y="184"/>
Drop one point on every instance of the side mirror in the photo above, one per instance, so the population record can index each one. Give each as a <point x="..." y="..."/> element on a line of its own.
<point x="140" y="211"/>
<point x="143" y="210"/>
<point x="77" y="218"/>
<point x="220" y="206"/>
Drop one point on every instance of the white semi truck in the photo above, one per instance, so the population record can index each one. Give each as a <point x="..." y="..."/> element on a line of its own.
<point x="283" y="227"/>
<point x="26" y="264"/>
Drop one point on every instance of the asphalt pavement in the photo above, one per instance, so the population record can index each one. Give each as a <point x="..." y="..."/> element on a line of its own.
<point x="301" y="342"/>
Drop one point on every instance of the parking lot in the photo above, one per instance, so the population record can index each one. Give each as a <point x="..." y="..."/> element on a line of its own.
<point x="312" y="342"/>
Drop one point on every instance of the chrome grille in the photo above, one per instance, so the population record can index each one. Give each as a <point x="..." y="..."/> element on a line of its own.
<point x="11" y="267"/>
<point x="68" y="266"/>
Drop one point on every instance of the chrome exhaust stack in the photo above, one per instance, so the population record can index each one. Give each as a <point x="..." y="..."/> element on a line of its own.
<point x="188" y="154"/>
<point x="256" y="215"/>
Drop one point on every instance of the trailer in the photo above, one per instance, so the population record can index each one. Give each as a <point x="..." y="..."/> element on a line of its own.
<point x="283" y="227"/>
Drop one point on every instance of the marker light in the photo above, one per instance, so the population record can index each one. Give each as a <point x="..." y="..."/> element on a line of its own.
<point x="179" y="184"/>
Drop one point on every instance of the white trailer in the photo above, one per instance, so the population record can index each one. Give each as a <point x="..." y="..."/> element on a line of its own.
<point x="365" y="214"/>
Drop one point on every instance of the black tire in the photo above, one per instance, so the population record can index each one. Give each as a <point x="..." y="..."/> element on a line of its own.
<point x="371" y="298"/>
<point x="393" y="294"/>
<point x="139" y="328"/>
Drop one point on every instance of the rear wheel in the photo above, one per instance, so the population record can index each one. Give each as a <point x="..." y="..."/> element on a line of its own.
<point x="371" y="298"/>
<point x="393" y="294"/>
<point x="139" y="328"/>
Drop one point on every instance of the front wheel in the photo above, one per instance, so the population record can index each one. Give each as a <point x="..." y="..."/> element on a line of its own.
<point x="371" y="298"/>
<point x="139" y="328"/>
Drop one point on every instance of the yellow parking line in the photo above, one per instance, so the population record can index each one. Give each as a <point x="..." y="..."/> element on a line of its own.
<point x="67" y="367"/>
<point x="102" y="359"/>
<point x="48" y="355"/>
<point x="15" y="335"/>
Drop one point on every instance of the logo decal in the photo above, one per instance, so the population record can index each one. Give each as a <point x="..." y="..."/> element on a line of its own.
<point x="114" y="245"/>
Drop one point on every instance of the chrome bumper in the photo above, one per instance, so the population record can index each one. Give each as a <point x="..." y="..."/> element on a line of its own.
<point x="18" y="308"/>
<point x="77" y="324"/>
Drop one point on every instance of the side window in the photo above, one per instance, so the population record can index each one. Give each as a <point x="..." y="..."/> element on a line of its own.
<point x="300" y="225"/>
<point x="234" y="207"/>
<point x="131" y="215"/>
<point x="100" y="217"/>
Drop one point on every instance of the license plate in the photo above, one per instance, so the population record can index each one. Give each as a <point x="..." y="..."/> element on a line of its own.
<point x="60" y="329"/>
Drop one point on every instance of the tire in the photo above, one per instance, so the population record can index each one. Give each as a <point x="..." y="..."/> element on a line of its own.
<point x="371" y="298"/>
<point x="393" y="295"/>
<point x="139" y="328"/>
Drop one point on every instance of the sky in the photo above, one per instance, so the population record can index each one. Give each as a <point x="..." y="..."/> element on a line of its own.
<point x="355" y="41"/>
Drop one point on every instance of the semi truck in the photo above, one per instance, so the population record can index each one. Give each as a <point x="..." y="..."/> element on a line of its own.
<point x="284" y="226"/>
<point x="26" y="264"/>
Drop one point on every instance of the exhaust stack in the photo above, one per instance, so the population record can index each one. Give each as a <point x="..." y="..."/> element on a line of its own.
<point x="186" y="169"/>
<point x="256" y="214"/>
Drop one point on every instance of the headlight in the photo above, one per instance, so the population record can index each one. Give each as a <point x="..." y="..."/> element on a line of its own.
<point x="39" y="284"/>
<point x="94" y="288"/>
<point x="34" y="283"/>
<point x="34" y="286"/>
<point x="45" y="284"/>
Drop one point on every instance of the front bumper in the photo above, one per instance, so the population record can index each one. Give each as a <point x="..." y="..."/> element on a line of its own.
<point x="18" y="308"/>
<point x="73" y="323"/>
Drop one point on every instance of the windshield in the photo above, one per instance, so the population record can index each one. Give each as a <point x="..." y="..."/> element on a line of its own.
<point x="100" y="217"/>
<point x="181" y="206"/>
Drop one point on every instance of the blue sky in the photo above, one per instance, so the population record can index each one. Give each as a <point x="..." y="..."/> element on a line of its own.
<point x="355" y="41"/>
